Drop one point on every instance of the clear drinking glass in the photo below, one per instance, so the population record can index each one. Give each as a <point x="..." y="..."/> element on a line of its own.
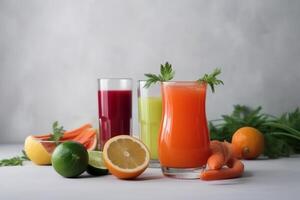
<point x="114" y="108"/>
<point x="184" y="137"/>
<point x="150" y="110"/>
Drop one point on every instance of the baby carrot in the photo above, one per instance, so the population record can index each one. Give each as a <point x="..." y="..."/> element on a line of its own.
<point x="220" y="154"/>
<point x="236" y="170"/>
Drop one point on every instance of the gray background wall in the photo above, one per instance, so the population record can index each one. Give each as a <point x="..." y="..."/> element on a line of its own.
<point x="52" y="52"/>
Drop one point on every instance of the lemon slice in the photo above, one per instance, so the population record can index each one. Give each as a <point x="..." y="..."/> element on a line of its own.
<point x="126" y="157"/>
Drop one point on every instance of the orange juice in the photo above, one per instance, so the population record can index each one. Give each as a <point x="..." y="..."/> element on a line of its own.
<point x="184" y="137"/>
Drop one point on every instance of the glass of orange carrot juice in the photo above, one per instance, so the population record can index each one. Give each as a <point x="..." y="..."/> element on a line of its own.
<point x="184" y="136"/>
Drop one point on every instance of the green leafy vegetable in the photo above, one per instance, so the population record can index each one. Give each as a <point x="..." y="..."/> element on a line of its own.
<point x="224" y="128"/>
<point x="58" y="132"/>
<point x="284" y="127"/>
<point x="211" y="79"/>
<point x="282" y="134"/>
<point x="291" y="119"/>
<point x="276" y="147"/>
<point x="166" y="74"/>
<point x="14" y="161"/>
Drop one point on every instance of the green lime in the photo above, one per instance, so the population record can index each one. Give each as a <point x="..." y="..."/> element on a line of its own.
<point x="70" y="159"/>
<point x="96" y="165"/>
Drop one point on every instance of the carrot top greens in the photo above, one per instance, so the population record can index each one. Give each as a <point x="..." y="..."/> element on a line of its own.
<point x="282" y="133"/>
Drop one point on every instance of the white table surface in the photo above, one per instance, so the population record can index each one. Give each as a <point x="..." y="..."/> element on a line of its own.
<point x="263" y="179"/>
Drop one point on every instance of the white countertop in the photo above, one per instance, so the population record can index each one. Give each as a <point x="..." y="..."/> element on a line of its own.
<point x="263" y="179"/>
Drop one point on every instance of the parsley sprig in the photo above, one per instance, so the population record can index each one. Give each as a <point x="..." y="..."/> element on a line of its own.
<point x="14" y="161"/>
<point x="211" y="79"/>
<point x="58" y="132"/>
<point x="166" y="74"/>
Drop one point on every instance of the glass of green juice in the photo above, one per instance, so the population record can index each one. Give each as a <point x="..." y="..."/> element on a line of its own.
<point x="150" y="111"/>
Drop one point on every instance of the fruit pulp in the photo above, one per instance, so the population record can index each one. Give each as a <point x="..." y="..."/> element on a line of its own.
<point x="114" y="108"/>
<point x="150" y="109"/>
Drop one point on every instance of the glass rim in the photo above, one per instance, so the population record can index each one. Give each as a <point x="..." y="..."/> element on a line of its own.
<point x="108" y="78"/>
<point x="143" y="83"/>
<point x="171" y="81"/>
<point x="187" y="82"/>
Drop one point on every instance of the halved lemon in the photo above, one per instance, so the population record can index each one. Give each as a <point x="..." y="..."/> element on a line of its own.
<point x="36" y="151"/>
<point x="125" y="157"/>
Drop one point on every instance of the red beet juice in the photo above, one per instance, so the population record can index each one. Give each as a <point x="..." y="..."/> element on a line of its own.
<point x="114" y="113"/>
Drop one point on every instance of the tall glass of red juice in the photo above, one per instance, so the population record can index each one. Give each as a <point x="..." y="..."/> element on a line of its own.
<point x="184" y="139"/>
<point x="114" y="108"/>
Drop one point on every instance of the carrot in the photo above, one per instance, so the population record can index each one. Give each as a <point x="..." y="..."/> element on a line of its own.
<point x="42" y="137"/>
<point x="75" y="132"/>
<point x="68" y="135"/>
<point x="236" y="170"/>
<point x="85" y="135"/>
<point x="220" y="154"/>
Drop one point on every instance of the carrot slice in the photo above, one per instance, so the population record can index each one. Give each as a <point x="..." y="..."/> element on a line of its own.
<point x="85" y="135"/>
<point x="75" y="132"/>
<point x="43" y="136"/>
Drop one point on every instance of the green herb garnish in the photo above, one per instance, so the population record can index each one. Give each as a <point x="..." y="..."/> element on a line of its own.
<point x="14" y="161"/>
<point x="282" y="134"/>
<point x="211" y="79"/>
<point x="166" y="74"/>
<point x="58" y="132"/>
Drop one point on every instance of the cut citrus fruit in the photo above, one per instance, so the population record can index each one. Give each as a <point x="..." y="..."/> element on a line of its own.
<point x="96" y="166"/>
<point x="36" y="152"/>
<point x="39" y="148"/>
<point x="70" y="159"/>
<point x="91" y="144"/>
<point x="125" y="157"/>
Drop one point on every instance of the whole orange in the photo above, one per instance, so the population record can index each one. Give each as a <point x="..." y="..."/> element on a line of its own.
<point x="247" y="143"/>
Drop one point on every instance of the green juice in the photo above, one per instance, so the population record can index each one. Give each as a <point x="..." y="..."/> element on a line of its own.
<point x="149" y="121"/>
